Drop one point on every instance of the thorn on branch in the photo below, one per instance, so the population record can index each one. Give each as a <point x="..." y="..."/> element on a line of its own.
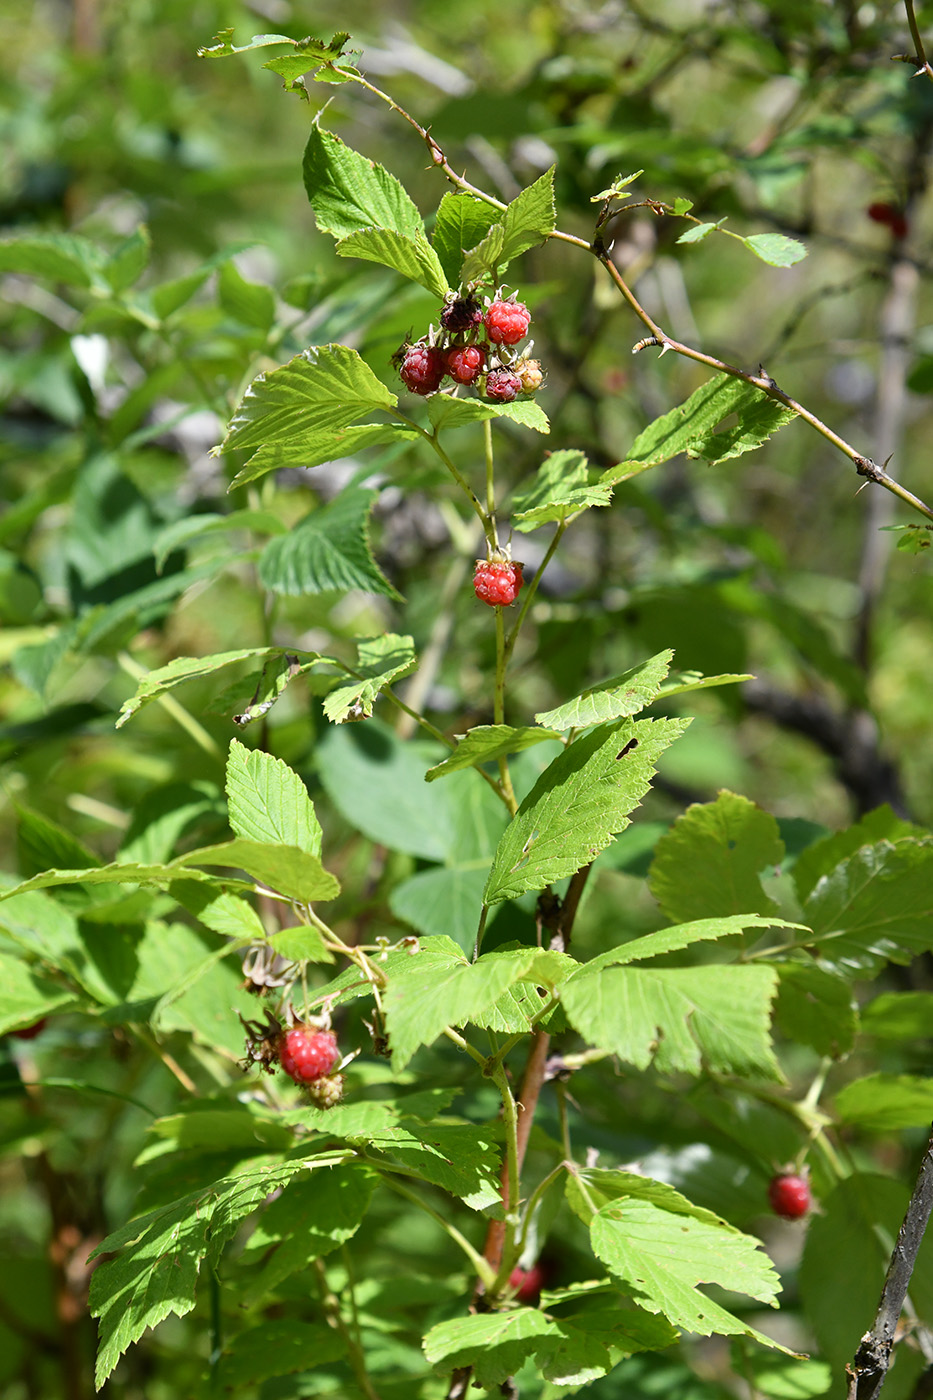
<point x="866" y="467"/>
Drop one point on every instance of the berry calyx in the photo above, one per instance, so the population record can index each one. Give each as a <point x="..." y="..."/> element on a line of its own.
<point x="789" y="1195"/>
<point x="507" y="322"/>
<point x="422" y="367"/>
<point x="497" y="581"/>
<point x="502" y="386"/>
<point x="307" y="1055"/>
<point x="465" y="363"/>
<point x="461" y="314"/>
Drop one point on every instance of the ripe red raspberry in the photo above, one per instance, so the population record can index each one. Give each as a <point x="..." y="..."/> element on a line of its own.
<point x="465" y="363"/>
<point x="306" y="1054"/>
<point x="30" y="1032"/>
<point x="422" y="368"/>
<point x="507" y="322"/>
<point x="789" y="1196"/>
<point x="461" y="314"/>
<point x="527" y="1283"/>
<point x="884" y="213"/>
<point x="497" y="581"/>
<point x="502" y="386"/>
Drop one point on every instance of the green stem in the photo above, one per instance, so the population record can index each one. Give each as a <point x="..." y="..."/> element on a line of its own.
<point x="489" y="529"/>
<point x="918" y="41"/>
<point x="216" y="1331"/>
<point x="171" y="706"/>
<point x="332" y="1311"/>
<point x="561" y="1090"/>
<point x="533" y="1200"/>
<point x="476" y="1259"/>
<point x="490" y="479"/>
<point x="532" y="590"/>
<point x="462" y="1044"/>
<point x="478" y="943"/>
<point x="426" y="724"/>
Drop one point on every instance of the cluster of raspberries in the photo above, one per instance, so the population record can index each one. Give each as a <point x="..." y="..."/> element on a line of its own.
<point x="473" y="346"/>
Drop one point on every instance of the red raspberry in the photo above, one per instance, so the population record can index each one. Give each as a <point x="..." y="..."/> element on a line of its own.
<point x="507" y="322"/>
<point x="502" y="386"/>
<point x="461" y="314"/>
<point x="30" y="1032"/>
<point x="884" y="213"/>
<point x="789" y="1196"/>
<point x="306" y="1054"/>
<point x="527" y="1283"/>
<point x="465" y="363"/>
<point x="497" y="581"/>
<point x="422" y="368"/>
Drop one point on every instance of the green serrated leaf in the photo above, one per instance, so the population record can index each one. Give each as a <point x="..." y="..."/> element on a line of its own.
<point x="423" y="997"/>
<point x="822" y="857"/>
<point x="129" y="259"/>
<point x="670" y="940"/>
<point x="495" y="1345"/>
<point x="613" y="699"/>
<point x="182" y="532"/>
<point x="324" y="388"/>
<point x="776" y="249"/>
<point x="55" y="257"/>
<point x="26" y="995"/>
<point x="560" y="491"/>
<point x="445" y="412"/>
<point x="271" y="683"/>
<point x="883" y="1103"/>
<point x="278" y="1347"/>
<point x="269" y="802"/>
<point x="316" y="447"/>
<point x="461" y="223"/>
<point x="578" y="804"/>
<point x="680" y="682"/>
<point x="190" y="668"/>
<point x="663" y="1255"/>
<point x="682" y="206"/>
<point x="698" y="232"/>
<point x="295" y="873"/>
<point x="348" y="192"/>
<point x="249" y="303"/>
<point x="413" y="257"/>
<point x="460" y="1158"/>
<point x="528" y="221"/>
<point x="301" y="944"/>
<point x="487" y="742"/>
<point x="327" y="550"/>
<point x="875" y="907"/>
<point x="710" y="861"/>
<point x="155" y="1275"/>
<point x="690" y="427"/>
<point x="380" y="661"/>
<point x="309" y="1220"/>
<point x="816" y="1008"/>
<point x="898" y="1016"/>
<point x="680" y="1019"/>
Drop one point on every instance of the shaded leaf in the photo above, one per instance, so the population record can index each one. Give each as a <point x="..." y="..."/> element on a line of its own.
<point x="380" y="661"/>
<point x="874" y="907"/>
<point x="487" y="742"/>
<point x="709" y="862"/>
<point x="413" y="257"/>
<point x="559" y="491"/>
<point x="328" y="550"/>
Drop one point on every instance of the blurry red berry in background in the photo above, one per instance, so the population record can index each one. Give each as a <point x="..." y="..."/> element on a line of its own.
<point x="884" y="213"/>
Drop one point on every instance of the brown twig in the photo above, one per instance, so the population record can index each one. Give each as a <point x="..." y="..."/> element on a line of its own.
<point x="869" y="1367"/>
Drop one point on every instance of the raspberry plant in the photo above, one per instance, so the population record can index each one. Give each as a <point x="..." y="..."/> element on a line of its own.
<point x="499" y="1014"/>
